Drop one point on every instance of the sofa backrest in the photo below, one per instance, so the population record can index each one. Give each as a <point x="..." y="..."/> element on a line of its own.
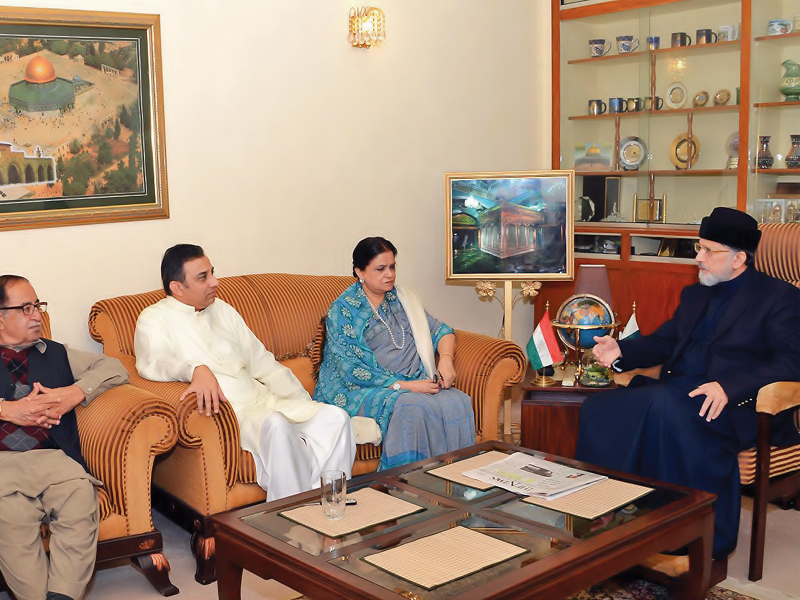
<point x="778" y="252"/>
<point x="283" y="310"/>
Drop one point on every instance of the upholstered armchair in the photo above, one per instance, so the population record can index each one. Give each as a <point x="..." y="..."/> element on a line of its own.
<point x="773" y="472"/>
<point x="121" y="432"/>
<point x="208" y="472"/>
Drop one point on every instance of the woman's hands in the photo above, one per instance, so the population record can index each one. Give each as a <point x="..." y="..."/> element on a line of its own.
<point x="447" y="371"/>
<point x="420" y="386"/>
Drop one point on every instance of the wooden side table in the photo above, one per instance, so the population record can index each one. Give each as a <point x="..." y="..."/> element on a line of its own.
<point x="550" y="417"/>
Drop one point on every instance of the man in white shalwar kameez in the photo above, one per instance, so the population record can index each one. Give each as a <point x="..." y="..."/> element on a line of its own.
<point x="192" y="336"/>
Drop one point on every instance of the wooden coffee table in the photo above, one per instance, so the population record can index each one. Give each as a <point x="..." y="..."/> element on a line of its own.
<point x="565" y="553"/>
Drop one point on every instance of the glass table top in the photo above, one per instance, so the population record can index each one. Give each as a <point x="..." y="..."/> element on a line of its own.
<point x="308" y="540"/>
<point x="421" y="478"/>
<point x="538" y="546"/>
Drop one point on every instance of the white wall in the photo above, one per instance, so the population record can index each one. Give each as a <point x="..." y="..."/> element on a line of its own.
<point x="285" y="145"/>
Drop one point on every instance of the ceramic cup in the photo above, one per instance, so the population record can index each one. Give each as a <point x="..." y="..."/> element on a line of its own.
<point x="728" y="33"/>
<point x="656" y="103"/>
<point x="680" y="38"/>
<point x="653" y="42"/>
<point x="333" y="493"/>
<point x="599" y="47"/>
<point x="705" y="36"/>
<point x="635" y="104"/>
<point x="617" y="105"/>
<point x="779" y="27"/>
<point x="597" y="107"/>
<point x="626" y="43"/>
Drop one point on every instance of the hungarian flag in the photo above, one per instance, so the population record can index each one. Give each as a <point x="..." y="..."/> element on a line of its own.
<point x="543" y="349"/>
<point x="631" y="329"/>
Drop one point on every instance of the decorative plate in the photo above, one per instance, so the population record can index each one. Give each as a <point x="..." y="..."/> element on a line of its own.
<point x="700" y="99"/>
<point x="584" y="309"/>
<point x="676" y="95"/>
<point x="722" y="97"/>
<point x="632" y="153"/>
<point x="679" y="151"/>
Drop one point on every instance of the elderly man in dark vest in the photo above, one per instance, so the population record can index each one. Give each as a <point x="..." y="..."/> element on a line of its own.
<point x="43" y="476"/>
<point x="733" y="332"/>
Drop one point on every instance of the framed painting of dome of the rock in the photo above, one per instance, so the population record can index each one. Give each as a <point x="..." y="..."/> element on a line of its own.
<point x="513" y="225"/>
<point x="81" y="118"/>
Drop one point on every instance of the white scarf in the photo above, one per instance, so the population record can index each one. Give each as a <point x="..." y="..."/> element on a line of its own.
<point x="419" y="327"/>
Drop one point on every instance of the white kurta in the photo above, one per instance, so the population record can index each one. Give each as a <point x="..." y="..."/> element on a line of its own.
<point x="292" y="438"/>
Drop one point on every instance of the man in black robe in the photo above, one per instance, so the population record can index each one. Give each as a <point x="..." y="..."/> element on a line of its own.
<point x="734" y="332"/>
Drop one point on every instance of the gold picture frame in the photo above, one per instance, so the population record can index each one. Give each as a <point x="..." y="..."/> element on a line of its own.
<point x="82" y="131"/>
<point x="510" y="225"/>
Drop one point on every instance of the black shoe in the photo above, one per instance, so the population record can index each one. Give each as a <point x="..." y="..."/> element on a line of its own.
<point x="57" y="596"/>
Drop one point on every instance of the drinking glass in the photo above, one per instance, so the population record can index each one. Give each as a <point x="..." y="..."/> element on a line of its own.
<point x="333" y="493"/>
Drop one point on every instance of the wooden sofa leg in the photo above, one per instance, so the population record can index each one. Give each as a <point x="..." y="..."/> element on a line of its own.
<point x="156" y="568"/>
<point x="204" y="551"/>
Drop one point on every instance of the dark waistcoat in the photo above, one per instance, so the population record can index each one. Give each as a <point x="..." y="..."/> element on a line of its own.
<point x="52" y="370"/>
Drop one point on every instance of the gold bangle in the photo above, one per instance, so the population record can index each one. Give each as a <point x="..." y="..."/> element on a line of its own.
<point x="446" y="354"/>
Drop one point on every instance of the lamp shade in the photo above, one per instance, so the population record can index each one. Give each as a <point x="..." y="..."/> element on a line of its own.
<point x="593" y="279"/>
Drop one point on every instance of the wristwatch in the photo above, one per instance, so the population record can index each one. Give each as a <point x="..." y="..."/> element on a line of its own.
<point x="396" y="386"/>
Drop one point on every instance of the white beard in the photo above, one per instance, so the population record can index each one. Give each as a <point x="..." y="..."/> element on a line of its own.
<point x="708" y="279"/>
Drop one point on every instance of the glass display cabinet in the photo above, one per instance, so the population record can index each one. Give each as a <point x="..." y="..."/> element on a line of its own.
<point x="773" y="187"/>
<point x="666" y="109"/>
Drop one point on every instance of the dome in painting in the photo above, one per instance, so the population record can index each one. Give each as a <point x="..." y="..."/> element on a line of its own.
<point x="40" y="70"/>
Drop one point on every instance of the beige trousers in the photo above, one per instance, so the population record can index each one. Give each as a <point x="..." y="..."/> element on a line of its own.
<point x="46" y="486"/>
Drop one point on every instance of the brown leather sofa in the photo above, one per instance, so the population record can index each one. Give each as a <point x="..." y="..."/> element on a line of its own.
<point x="207" y="472"/>
<point x="121" y="432"/>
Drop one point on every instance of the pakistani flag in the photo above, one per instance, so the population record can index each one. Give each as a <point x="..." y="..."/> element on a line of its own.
<point x="543" y="349"/>
<point x="631" y="329"/>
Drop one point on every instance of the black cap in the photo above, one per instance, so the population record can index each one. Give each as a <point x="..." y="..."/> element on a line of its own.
<point x="731" y="227"/>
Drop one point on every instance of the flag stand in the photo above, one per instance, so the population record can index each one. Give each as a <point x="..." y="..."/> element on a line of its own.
<point x="542" y="380"/>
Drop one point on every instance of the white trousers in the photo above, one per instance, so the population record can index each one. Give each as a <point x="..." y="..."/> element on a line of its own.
<point x="291" y="456"/>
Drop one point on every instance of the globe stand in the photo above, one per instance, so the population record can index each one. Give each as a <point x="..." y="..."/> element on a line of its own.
<point x="579" y="349"/>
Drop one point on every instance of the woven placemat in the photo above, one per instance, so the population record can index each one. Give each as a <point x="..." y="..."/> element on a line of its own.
<point x="453" y="472"/>
<point x="373" y="507"/>
<point x="444" y="557"/>
<point x="595" y="500"/>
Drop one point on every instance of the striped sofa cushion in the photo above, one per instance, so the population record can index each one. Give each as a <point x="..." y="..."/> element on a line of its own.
<point x="781" y="460"/>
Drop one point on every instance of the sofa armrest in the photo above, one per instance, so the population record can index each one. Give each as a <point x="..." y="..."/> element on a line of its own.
<point x="777" y="397"/>
<point x="218" y="434"/>
<point x="485" y="366"/>
<point x="121" y="432"/>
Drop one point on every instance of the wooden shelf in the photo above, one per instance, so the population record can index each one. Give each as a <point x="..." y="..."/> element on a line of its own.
<point x="775" y="104"/>
<point x="694" y="48"/>
<point x="661" y="113"/>
<point x="619" y="173"/>
<point x="776" y="172"/>
<point x="671" y="173"/>
<point x="777" y="38"/>
<point x="695" y="173"/>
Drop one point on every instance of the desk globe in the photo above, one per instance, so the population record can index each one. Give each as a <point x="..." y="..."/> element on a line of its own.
<point x="584" y="309"/>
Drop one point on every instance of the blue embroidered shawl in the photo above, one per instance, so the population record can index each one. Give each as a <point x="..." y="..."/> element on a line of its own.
<point x="350" y="376"/>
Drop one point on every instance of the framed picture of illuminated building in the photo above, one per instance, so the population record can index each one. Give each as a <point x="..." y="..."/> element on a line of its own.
<point x="81" y="118"/>
<point x="515" y="225"/>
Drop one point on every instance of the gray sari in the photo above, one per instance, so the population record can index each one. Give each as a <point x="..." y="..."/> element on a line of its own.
<point x="421" y="425"/>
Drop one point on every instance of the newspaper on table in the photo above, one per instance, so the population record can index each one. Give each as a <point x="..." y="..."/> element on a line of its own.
<point x="532" y="476"/>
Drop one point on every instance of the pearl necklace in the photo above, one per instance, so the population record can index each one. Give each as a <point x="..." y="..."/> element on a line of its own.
<point x="385" y="324"/>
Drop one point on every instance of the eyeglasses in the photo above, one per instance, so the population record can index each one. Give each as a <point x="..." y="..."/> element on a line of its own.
<point x="698" y="247"/>
<point x="28" y="308"/>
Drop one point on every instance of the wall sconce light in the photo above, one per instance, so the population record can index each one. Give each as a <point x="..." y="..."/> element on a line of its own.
<point x="367" y="27"/>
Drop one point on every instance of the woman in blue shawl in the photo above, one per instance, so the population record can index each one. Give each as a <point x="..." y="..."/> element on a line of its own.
<point x="379" y="363"/>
